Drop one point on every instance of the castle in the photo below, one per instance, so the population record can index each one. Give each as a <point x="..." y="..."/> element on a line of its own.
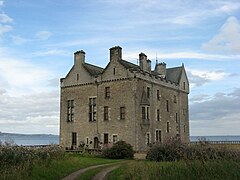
<point x="123" y="101"/>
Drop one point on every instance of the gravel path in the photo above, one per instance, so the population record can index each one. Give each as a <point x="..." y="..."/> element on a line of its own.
<point x="79" y="172"/>
<point x="104" y="173"/>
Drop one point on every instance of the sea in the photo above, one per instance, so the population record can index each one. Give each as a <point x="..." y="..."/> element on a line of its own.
<point x="214" y="138"/>
<point x="47" y="139"/>
<point x="29" y="139"/>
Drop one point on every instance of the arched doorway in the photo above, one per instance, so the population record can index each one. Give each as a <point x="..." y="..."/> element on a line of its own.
<point x="96" y="143"/>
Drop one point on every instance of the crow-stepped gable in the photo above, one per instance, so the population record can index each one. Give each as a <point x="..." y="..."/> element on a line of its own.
<point x="123" y="101"/>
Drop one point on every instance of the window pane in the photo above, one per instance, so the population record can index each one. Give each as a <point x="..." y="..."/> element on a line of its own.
<point x="105" y="138"/>
<point x="143" y="113"/>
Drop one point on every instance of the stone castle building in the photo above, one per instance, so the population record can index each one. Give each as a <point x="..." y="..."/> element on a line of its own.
<point x="123" y="101"/>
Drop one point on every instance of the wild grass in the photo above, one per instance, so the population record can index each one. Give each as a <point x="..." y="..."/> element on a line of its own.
<point x="174" y="150"/>
<point x="146" y="170"/>
<point x="42" y="163"/>
<point x="173" y="160"/>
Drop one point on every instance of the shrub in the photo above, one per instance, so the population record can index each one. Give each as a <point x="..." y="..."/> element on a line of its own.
<point x="120" y="150"/>
<point x="172" y="150"/>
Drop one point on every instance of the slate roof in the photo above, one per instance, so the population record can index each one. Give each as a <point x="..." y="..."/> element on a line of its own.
<point x="174" y="74"/>
<point x="129" y="65"/>
<point x="93" y="70"/>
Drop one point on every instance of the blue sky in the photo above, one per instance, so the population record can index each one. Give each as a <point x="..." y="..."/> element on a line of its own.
<point x="38" y="39"/>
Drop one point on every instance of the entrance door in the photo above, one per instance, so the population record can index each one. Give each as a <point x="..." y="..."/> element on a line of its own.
<point x="95" y="143"/>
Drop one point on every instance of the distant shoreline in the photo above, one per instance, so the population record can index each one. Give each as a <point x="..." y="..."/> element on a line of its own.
<point x="46" y="139"/>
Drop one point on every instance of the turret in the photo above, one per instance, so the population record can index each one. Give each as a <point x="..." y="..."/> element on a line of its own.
<point x="160" y="68"/>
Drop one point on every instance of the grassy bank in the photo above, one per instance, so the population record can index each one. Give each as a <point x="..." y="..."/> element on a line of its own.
<point x="42" y="163"/>
<point x="61" y="168"/>
<point x="174" y="160"/>
<point x="146" y="170"/>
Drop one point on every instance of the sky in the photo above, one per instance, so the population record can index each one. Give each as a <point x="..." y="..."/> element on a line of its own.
<point x="38" y="39"/>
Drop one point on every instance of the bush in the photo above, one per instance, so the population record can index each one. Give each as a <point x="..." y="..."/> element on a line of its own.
<point x="120" y="150"/>
<point x="174" y="150"/>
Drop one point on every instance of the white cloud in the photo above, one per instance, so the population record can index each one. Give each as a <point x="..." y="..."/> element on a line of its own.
<point x="228" y="7"/>
<point x="22" y="76"/>
<point x="39" y="112"/>
<point x="228" y="38"/>
<point x="216" y="115"/>
<point x="1" y="3"/>
<point x="210" y="75"/>
<point x="201" y="77"/>
<point x="181" y="55"/>
<point x="2" y="91"/>
<point x="43" y="35"/>
<point x="51" y="52"/>
<point x="5" y="18"/>
<point x="18" y="40"/>
<point x="4" y="29"/>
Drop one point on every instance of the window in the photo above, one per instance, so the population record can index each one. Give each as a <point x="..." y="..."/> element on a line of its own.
<point x="148" y="113"/>
<point x="92" y="109"/>
<point x="122" y="113"/>
<point x="158" y="95"/>
<point x="158" y="115"/>
<point x="114" y="71"/>
<point x="77" y="77"/>
<point x="175" y="99"/>
<point x="105" y="139"/>
<point x="184" y="85"/>
<point x="148" y="92"/>
<point x="176" y="117"/>
<point x="87" y="141"/>
<point x="74" y="138"/>
<point x="184" y="128"/>
<point x="107" y="92"/>
<point x="148" y="138"/>
<point x="158" y="136"/>
<point x="70" y="110"/>
<point x="167" y="105"/>
<point x="114" y="138"/>
<point x="143" y="113"/>
<point x="168" y="128"/>
<point x="105" y="117"/>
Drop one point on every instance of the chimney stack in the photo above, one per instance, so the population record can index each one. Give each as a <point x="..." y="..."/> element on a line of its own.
<point x="115" y="53"/>
<point x="145" y="64"/>
<point x="79" y="57"/>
